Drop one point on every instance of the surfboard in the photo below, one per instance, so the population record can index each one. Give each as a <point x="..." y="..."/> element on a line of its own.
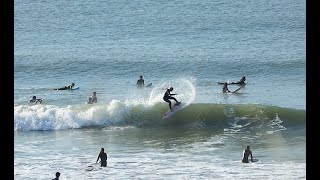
<point x="177" y="107"/>
<point x="149" y="85"/>
<point x="235" y="91"/>
<point x="89" y="168"/>
<point x="75" y="88"/>
<point x="255" y="160"/>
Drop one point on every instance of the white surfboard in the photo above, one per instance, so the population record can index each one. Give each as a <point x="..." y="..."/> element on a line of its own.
<point x="175" y="109"/>
<point x="89" y="168"/>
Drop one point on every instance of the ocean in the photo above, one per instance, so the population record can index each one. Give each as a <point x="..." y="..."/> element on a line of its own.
<point x="104" y="46"/>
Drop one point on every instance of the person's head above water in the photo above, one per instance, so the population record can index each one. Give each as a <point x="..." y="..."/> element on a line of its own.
<point x="248" y="147"/>
<point x="171" y="88"/>
<point x="57" y="174"/>
<point x="72" y="84"/>
<point x="34" y="97"/>
<point x="141" y="77"/>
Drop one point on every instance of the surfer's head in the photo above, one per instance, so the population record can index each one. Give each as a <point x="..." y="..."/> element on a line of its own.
<point x="141" y="77"/>
<point x="171" y="88"/>
<point x="72" y="84"/>
<point x="248" y="147"/>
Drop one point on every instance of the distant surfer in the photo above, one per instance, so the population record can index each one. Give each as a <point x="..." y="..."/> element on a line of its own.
<point x="103" y="158"/>
<point x="68" y="87"/>
<point x="241" y="81"/>
<point x="168" y="95"/>
<point x="246" y="153"/>
<point x="94" y="97"/>
<point x="225" y="88"/>
<point x="57" y="176"/>
<point x="140" y="82"/>
<point x="90" y="100"/>
<point x="34" y="100"/>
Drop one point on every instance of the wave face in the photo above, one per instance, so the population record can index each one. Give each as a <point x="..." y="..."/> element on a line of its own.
<point x="117" y="113"/>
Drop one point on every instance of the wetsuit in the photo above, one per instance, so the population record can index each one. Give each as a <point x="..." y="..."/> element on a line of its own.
<point x="225" y="89"/>
<point x="140" y="83"/>
<point x="246" y="154"/>
<point x="167" y="96"/>
<point x="103" y="158"/>
<point x="35" y="101"/>
<point x="65" y="88"/>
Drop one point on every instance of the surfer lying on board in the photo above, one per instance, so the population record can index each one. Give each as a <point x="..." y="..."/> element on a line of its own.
<point x="240" y="82"/>
<point x="246" y="153"/>
<point x="168" y="95"/>
<point x="66" y="87"/>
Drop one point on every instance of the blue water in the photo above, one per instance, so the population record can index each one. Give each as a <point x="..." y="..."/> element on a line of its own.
<point x="104" y="46"/>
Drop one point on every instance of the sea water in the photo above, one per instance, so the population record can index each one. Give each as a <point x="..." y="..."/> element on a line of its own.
<point x="104" y="46"/>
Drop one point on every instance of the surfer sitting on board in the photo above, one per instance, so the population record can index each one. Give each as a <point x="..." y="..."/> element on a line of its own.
<point x="140" y="82"/>
<point x="246" y="153"/>
<point x="66" y="87"/>
<point x="168" y="95"/>
<point x="225" y="88"/>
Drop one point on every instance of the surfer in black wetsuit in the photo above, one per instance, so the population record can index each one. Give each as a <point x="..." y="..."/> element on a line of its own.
<point x="241" y="81"/>
<point x="225" y="88"/>
<point x="34" y="100"/>
<point x="168" y="95"/>
<point x="94" y="97"/>
<point x="140" y="82"/>
<point x="57" y="176"/>
<point x="246" y="153"/>
<point x="66" y="87"/>
<point x="103" y="157"/>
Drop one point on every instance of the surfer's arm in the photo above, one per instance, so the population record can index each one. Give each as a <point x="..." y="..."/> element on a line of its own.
<point x="98" y="158"/>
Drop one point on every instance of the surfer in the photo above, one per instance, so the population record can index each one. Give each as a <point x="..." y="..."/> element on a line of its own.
<point x="103" y="158"/>
<point x="140" y="82"/>
<point x="94" y="97"/>
<point x="246" y="153"/>
<point x="90" y="101"/>
<point x="241" y="81"/>
<point x="34" y="100"/>
<point x="168" y="95"/>
<point x="66" y="87"/>
<point x="57" y="176"/>
<point x="225" y="88"/>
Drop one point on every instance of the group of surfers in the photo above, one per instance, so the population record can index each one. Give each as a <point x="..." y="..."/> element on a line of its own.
<point x="140" y="84"/>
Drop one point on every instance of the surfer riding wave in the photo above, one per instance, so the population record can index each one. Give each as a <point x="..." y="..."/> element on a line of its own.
<point x="168" y="95"/>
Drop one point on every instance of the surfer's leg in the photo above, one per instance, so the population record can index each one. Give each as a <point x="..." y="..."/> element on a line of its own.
<point x="173" y="99"/>
<point x="166" y="100"/>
